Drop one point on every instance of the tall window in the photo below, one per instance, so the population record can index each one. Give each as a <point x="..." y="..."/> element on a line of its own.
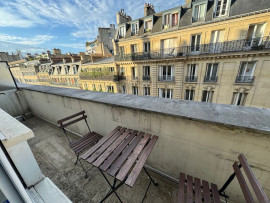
<point x="207" y="96"/>
<point x="189" y="95"/>
<point x="246" y="72"/>
<point x="66" y="70"/>
<point x="255" y="34"/>
<point x="59" y="70"/>
<point x="168" y="46"/>
<point x="211" y="72"/>
<point x="198" y="13"/>
<point x="135" y="90"/>
<point x="222" y="7"/>
<point x="94" y="87"/>
<point x="195" y="42"/>
<point x="239" y="98"/>
<point x="100" y="88"/>
<point x="110" y="89"/>
<point x="146" y="71"/>
<point x="133" y="72"/>
<point x="165" y="93"/>
<point x="148" y="25"/>
<point x="167" y="20"/>
<point x="192" y="73"/>
<point x="166" y="73"/>
<point x="134" y="28"/>
<point x="133" y="48"/>
<point x="146" y="46"/>
<point x="75" y="69"/>
<point x="174" y="19"/>
<point x="146" y="91"/>
<point x="122" y="50"/>
<point x="122" y="71"/>
<point x="122" y="32"/>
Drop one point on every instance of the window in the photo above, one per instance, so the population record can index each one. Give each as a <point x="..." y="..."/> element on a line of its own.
<point x="211" y="72"/>
<point x="239" y="98"/>
<point x="148" y="25"/>
<point x="134" y="48"/>
<point x="133" y="72"/>
<point x="246" y="71"/>
<point x="146" y="70"/>
<point x="207" y="96"/>
<point x="85" y="86"/>
<point x="174" y="19"/>
<point x="166" y="73"/>
<point x="110" y="89"/>
<point x="192" y="73"/>
<point x="59" y="70"/>
<point x="100" y="88"/>
<point x="135" y="90"/>
<point x="122" y="50"/>
<point x="111" y="69"/>
<point x="198" y="13"/>
<point x="146" y="91"/>
<point x="167" y="20"/>
<point x="168" y="46"/>
<point x="255" y="34"/>
<point x="195" y="42"/>
<point x="94" y="87"/>
<point x="66" y="70"/>
<point x="122" y="32"/>
<point x="165" y="93"/>
<point x="146" y="46"/>
<point x="134" y="28"/>
<point x="122" y="71"/>
<point x="221" y="8"/>
<point x="124" y="89"/>
<point x="189" y="95"/>
<point x="75" y="69"/>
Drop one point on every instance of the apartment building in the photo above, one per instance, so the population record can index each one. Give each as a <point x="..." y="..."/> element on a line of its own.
<point x="15" y="67"/>
<point x="44" y="73"/>
<point x="206" y="50"/>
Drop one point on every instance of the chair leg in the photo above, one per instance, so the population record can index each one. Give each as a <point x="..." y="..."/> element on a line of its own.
<point x="76" y="159"/>
<point x="86" y="175"/>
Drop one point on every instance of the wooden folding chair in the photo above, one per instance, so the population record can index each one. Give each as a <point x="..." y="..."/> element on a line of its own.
<point x="83" y="143"/>
<point x="199" y="191"/>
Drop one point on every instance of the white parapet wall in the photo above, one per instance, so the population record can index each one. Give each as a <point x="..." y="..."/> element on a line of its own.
<point x="199" y="139"/>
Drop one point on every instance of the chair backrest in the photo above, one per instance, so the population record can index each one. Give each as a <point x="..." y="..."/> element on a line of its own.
<point x="261" y="196"/>
<point x="63" y="123"/>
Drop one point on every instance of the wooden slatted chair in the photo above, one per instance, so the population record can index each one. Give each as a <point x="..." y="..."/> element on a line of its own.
<point x="83" y="143"/>
<point x="199" y="191"/>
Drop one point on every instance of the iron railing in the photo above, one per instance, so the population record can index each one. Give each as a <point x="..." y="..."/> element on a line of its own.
<point x="166" y="78"/>
<point x="260" y="43"/>
<point x="210" y="78"/>
<point x="244" y="79"/>
<point x="66" y="84"/>
<point x="146" y="78"/>
<point x="108" y="77"/>
<point x="191" y="78"/>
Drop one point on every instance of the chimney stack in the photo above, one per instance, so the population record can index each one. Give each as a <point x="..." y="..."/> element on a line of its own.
<point x="149" y="9"/>
<point x="122" y="17"/>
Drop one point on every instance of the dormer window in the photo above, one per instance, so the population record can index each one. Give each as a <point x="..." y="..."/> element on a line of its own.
<point x="134" y="28"/>
<point x="170" y="20"/>
<point x="122" y="32"/>
<point x="221" y="8"/>
<point x="198" y="12"/>
<point x="148" y="24"/>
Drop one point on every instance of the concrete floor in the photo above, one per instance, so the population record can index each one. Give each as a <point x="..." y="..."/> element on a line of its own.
<point x="56" y="160"/>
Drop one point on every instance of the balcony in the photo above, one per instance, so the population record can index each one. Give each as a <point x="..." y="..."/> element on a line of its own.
<point x="210" y="79"/>
<point x="244" y="45"/>
<point x="191" y="78"/>
<point x="108" y="77"/>
<point x="166" y="78"/>
<point x="244" y="79"/>
<point x="65" y="84"/>
<point x="207" y="141"/>
<point x="146" y="78"/>
<point x="134" y="78"/>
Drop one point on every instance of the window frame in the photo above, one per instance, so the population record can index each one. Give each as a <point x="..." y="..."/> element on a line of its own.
<point x="135" y="90"/>
<point x="195" y="44"/>
<point x="235" y="98"/>
<point x="209" y="96"/>
<point x="189" y="95"/>
<point x="160" y="93"/>
<point x="146" y="91"/>
<point x="228" y="6"/>
<point x="152" y="24"/>
<point x="136" y="31"/>
<point x="148" y="43"/>
<point x="119" y="31"/>
<point x="195" y="4"/>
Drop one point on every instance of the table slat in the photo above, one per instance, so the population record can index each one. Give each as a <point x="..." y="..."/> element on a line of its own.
<point x="132" y="158"/>
<point x="181" y="189"/>
<point x="198" y="190"/>
<point x="103" y="147"/>
<point x="189" y="189"/>
<point x="110" y="149"/>
<point x="114" y="168"/>
<point x="117" y="151"/>
<point x="140" y="163"/>
<point x="215" y="194"/>
<point x="100" y="142"/>
<point x="206" y="191"/>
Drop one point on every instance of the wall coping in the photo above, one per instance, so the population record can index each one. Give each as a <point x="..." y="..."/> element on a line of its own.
<point x="241" y="117"/>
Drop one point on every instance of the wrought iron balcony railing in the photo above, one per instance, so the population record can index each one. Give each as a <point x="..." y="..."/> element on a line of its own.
<point x="146" y="78"/>
<point x="244" y="79"/>
<point x="191" y="78"/>
<point x="108" y="77"/>
<point x="210" y="78"/>
<point x="65" y="84"/>
<point x="166" y="78"/>
<point x="260" y="43"/>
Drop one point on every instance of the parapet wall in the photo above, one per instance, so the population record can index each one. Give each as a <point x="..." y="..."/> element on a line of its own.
<point x="199" y="139"/>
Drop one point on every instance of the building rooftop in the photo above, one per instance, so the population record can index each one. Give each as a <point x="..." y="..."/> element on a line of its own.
<point x="56" y="160"/>
<point x="105" y="60"/>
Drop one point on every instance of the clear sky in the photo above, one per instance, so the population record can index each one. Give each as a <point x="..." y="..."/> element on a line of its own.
<point x="40" y="25"/>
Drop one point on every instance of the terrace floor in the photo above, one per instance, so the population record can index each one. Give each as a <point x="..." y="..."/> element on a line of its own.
<point x="56" y="160"/>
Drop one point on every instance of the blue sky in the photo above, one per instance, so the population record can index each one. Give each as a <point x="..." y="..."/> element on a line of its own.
<point x="40" y="25"/>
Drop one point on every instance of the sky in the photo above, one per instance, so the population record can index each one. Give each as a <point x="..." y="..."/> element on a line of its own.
<point x="34" y="26"/>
